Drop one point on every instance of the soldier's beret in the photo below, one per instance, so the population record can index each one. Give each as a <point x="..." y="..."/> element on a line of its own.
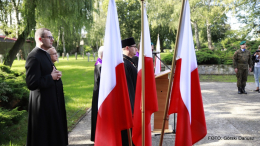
<point x="242" y="43"/>
<point x="128" y="42"/>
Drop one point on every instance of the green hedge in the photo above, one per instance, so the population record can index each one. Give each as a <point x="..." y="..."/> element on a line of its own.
<point x="206" y="56"/>
<point x="10" y="117"/>
<point x="13" y="92"/>
<point x="13" y="100"/>
<point x="167" y="59"/>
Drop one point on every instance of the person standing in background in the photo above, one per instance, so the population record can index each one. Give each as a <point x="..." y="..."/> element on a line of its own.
<point x="256" y="58"/>
<point x="53" y="54"/>
<point x="47" y="122"/>
<point x="94" y="111"/>
<point x="241" y="60"/>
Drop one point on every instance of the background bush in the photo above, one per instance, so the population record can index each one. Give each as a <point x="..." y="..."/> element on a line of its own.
<point x="221" y="54"/>
<point x="13" y="92"/>
<point x="13" y="100"/>
<point x="10" y="117"/>
<point x="167" y="59"/>
<point x="87" y="48"/>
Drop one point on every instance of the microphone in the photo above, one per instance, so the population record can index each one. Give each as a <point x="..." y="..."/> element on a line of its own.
<point x="156" y="52"/>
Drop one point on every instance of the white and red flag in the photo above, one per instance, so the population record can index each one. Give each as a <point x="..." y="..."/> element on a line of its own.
<point x="186" y="98"/>
<point x="157" y="69"/>
<point x="114" y="111"/>
<point x="150" y="91"/>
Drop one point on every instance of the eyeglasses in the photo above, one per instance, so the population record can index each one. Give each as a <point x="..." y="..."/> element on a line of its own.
<point x="49" y="37"/>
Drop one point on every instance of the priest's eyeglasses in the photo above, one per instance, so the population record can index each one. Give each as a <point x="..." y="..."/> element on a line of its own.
<point x="49" y="37"/>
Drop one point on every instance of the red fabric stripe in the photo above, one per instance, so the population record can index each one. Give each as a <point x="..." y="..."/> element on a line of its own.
<point x="198" y="122"/>
<point x="176" y="94"/>
<point x="183" y="130"/>
<point x="115" y="113"/>
<point x="188" y="134"/>
<point x="150" y="104"/>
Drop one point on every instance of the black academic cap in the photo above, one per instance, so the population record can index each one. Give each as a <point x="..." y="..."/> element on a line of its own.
<point x="128" y="42"/>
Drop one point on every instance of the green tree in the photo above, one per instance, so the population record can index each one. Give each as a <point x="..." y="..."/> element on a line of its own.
<point x="160" y="20"/>
<point x="248" y="13"/>
<point x="97" y="30"/>
<point x="129" y="17"/>
<point x="71" y="16"/>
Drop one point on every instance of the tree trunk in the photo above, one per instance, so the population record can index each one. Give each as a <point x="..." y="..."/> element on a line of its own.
<point x="16" y="5"/>
<point x="197" y="34"/>
<point x="30" y="24"/>
<point x="63" y="41"/>
<point x="58" y="40"/>
<point x="10" y="56"/>
<point x="10" y="15"/>
<point x="96" y="46"/>
<point x="210" y="46"/>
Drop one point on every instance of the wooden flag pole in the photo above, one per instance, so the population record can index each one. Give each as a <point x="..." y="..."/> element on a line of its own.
<point x="143" y="78"/>
<point x="130" y="142"/>
<point x="171" y="76"/>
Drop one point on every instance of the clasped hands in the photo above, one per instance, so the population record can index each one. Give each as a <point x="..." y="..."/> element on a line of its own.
<point x="56" y="75"/>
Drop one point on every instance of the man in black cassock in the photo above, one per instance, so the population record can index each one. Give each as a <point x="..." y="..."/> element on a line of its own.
<point x="129" y="51"/>
<point x="94" y="110"/>
<point x="47" y="122"/>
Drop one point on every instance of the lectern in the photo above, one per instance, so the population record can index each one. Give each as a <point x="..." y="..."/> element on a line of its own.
<point x="162" y="83"/>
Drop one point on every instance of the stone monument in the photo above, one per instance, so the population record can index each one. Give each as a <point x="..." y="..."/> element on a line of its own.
<point x="68" y="56"/>
<point x="1" y="58"/>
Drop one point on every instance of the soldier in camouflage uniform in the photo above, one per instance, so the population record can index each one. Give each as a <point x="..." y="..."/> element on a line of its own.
<point x="241" y="60"/>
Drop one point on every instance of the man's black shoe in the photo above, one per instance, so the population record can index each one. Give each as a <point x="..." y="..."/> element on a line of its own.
<point x="239" y="90"/>
<point x="243" y="90"/>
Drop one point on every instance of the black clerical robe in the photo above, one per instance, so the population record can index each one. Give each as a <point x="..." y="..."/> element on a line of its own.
<point x="47" y="122"/>
<point x="94" y="112"/>
<point x="135" y="60"/>
<point x="131" y="76"/>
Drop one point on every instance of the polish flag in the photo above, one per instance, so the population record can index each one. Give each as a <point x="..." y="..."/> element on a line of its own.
<point x="157" y="61"/>
<point x="150" y="91"/>
<point x="186" y="98"/>
<point x="114" y="111"/>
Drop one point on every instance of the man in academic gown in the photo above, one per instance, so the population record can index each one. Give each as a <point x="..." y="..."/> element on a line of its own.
<point x="47" y="123"/>
<point x="129" y="51"/>
<point x="94" y="110"/>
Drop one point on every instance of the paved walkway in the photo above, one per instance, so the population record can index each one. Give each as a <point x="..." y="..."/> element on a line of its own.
<point x="232" y="119"/>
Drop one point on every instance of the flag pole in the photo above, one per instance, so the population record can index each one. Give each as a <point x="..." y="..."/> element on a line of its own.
<point x="130" y="143"/>
<point x="143" y="78"/>
<point x="171" y="76"/>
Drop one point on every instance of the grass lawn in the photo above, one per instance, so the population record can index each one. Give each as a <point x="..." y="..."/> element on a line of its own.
<point x="78" y="82"/>
<point x="223" y="78"/>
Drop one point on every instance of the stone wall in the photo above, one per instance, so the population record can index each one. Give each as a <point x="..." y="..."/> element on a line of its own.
<point x="214" y="69"/>
<point x="217" y="69"/>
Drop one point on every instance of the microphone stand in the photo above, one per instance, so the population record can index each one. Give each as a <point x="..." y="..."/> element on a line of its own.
<point x="155" y="54"/>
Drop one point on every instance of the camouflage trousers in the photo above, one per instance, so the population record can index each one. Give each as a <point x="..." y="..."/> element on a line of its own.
<point x="241" y="77"/>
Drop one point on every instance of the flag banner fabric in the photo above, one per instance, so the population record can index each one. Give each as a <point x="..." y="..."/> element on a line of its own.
<point x="186" y="98"/>
<point x="114" y="111"/>
<point x="150" y="91"/>
<point x="157" y="61"/>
